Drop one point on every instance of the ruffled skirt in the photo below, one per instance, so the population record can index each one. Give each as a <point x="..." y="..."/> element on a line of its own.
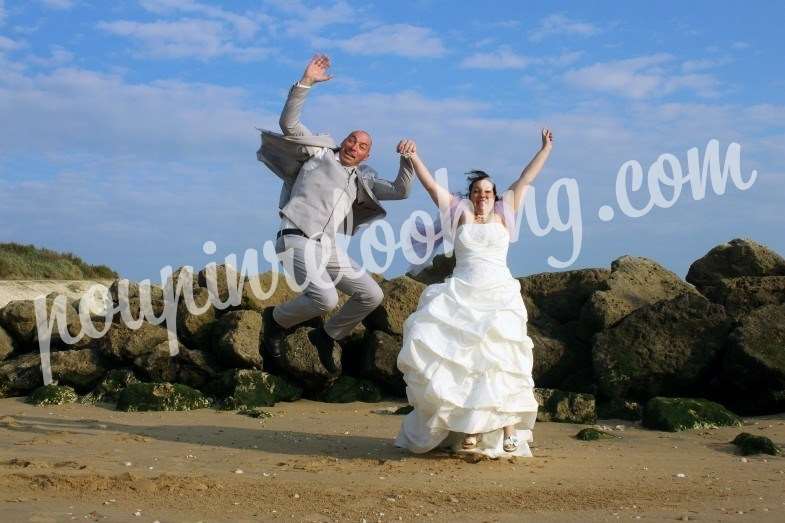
<point x="467" y="363"/>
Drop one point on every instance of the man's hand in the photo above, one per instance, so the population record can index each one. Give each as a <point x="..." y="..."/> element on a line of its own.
<point x="316" y="70"/>
<point x="407" y="148"/>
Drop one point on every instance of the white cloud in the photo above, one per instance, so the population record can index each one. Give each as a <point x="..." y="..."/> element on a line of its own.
<point x="502" y="58"/>
<point x="740" y="45"/>
<point x="6" y="44"/>
<point x="560" y="25"/>
<point x="308" y="20"/>
<point x="691" y="66"/>
<point x="58" y="4"/>
<point x="640" y="77"/>
<point x="58" y="57"/>
<point x="396" y="39"/>
<point x="246" y="26"/>
<point x="2" y="12"/>
<point x="186" y="38"/>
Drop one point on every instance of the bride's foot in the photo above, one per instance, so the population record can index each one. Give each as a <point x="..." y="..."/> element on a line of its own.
<point x="470" y="441"/>
<point x="510" y="443"/>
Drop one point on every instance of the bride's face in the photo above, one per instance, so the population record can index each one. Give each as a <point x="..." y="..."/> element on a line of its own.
<point x="482" y="197"/>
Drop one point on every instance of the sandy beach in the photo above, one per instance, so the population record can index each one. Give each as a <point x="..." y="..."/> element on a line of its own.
<point x="335" y="462"/>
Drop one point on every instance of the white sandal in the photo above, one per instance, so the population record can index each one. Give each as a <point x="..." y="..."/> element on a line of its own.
<point x="510" y="443"/>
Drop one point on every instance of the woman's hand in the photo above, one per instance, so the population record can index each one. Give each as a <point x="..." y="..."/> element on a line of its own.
<point x="407" y="148"/>
<point x="547" y="139"/>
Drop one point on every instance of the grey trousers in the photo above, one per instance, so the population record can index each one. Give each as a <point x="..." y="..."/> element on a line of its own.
<point x="324" y="268"/>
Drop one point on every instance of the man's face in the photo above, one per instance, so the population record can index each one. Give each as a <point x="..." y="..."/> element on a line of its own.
<point x="355" y="148"/>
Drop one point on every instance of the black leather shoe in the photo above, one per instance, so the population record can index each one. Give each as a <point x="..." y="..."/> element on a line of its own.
<point x="274" y="335"/>
<point x="324" y="347"/>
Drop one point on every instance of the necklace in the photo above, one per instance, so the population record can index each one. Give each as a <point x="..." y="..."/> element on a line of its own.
<point x="478" y="218"/>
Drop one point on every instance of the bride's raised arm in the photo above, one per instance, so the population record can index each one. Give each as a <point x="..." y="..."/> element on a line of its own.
<point x="440" y="196"/>
<point x="531" y="171"/>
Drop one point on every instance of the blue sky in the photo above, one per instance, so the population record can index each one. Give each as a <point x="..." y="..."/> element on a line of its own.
<point x="128" y="135"/>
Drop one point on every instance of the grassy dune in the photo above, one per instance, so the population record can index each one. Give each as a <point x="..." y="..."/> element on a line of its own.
<point x="27" y="262"/>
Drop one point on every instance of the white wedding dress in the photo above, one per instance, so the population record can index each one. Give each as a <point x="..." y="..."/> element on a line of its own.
<point x="466" y="358"/>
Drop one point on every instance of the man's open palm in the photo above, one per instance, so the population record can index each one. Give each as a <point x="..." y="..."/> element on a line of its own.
<point x="317" y="68"/>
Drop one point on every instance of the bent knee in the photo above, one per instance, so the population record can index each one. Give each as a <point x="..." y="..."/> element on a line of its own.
<point x="325" y="300"/>
<point x="373" y="296"/>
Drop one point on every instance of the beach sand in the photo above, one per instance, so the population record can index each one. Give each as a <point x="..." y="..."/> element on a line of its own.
<point x="336" y="462"/>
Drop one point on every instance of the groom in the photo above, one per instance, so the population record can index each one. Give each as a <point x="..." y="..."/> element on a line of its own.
<point x="326" y="190"/>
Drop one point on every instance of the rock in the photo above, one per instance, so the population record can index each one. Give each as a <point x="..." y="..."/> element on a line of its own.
<point x="136" y="296"/>
<point x="633" y="283"/>
<point x="667" y="348"/>
<point x="592" y="434"/>
<point x="739" y="257"/>
<point x="560" y="296"/>
<point x="196" y="368"/>
<point x="744" y="294"/>
<point x="619" y="409"/>
<point x="20" y="375"/>
<point x="255" y="290"/>
<point x="244" y="388"/>
<point x="81" y="368"/>
<point x="401" y="296"/>
<point x="52" y="395"/>
<point x="254" y="412"/>
<point x="567" y="407"/>
<point x="125" y="345"/>
<point x="158" y="364"/>
<point x="6" y="344"/>
<point x="380" y="360"/>
<point x="754" y="364"/>
<point x="196" y="329"/>
<point x="440" y="269"/>
<point x="677" y="414"/>
<point x="238" y="339"/>
<point x="348" y="389"/>
<point x="184" y="277"/>
<point x="352" y="350"/>
<point x="749" y="444"/>
<point x="556" y="354"/>
<point x="108" y="390"/>
<point x="301" y="361"/>
<point x="217" y="279"/>
<point x="160" y="396"/>
<point x="19" y="320"/>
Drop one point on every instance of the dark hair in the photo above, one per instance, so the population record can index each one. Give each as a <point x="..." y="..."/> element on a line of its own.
<point x="474" y="176"/>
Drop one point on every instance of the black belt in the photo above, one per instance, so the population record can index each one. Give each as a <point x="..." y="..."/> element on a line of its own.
<point x="294" y="232"/>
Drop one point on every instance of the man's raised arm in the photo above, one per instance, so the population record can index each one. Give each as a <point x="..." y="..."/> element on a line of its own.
<point x="399" y="188"/>
<point x="315" y="71"/>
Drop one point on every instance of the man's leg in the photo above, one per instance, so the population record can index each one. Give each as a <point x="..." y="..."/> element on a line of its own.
<point x="302" y="260"/>
<point x="365" y="295"/>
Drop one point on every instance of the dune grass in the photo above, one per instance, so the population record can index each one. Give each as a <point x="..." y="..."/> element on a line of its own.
<point x="28" y="262"/>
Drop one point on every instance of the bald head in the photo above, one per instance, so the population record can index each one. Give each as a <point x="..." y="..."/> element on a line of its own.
<point x="355" y="148"/>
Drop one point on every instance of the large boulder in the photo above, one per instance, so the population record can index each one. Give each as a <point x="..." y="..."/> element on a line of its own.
<point x="109" y="388"/>
<point x="196" y="329"/>
<point x="79" y="368"/>
<point x="754" y="363"/>
<point x="196" y="368"/>
<point x="124" y="345"/>
<point x="668" y="348"/>
<point x="401" y="296"/>
<point x="301" y="361"/>
<point x="557" y="354"/>
<point x="743" y="294"/>
<point x="440" y="269"/>
<point x="348" y="389"/>
<point x="633" y="283"/>
<point x="52" y="395"/>
<point x="217" y="279"/>
<point x="676" y="414"/>
<point x="565" y="407"/>
<point x="739" y="257"/>
<point x="19" y="320"/>
<point x="265" y="290"/>
<point x="136" y="297"/>
<point x="6" y="344"/>
<point x="559" y="296"/>
<point x="380" y="360"/>
<point x="238" y="339"/>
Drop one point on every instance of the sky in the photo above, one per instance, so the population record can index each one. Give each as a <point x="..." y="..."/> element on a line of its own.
<point x="128" y="129"/>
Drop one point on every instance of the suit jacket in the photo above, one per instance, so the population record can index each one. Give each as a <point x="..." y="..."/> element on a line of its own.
<point x="314" y="179"/>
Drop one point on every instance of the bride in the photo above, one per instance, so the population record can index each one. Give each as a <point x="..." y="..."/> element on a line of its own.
<point x="466" y="358"/>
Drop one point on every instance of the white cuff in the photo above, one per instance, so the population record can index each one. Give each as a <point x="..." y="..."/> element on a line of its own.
<point x="298" y="84"/>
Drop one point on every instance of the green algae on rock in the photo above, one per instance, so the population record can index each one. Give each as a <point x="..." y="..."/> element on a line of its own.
<point x="592" y="434"/>
<point x="52" y="395"/>
<point x="677" y="414"/>
<point x="348" y="389"/>
<point x="255" y="388"/>
<point x="160" y="396"/>
<point x="749" y="444"/>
